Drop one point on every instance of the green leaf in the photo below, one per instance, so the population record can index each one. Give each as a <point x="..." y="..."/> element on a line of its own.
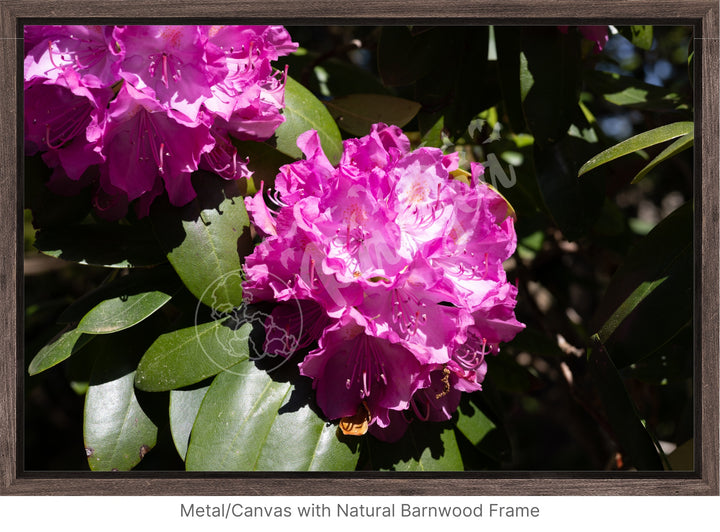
<point x="681" y="144"/>
<point x="640" y="36"/>
<point x="118" y="434"/>
<point x="331" y="77"/>
<point x="113" y="315"/>
<point x="657" y="275"/>
<point x="137" y="282"/>
<point x="628" y="91"/>
<point x="249" y="422"/>
<point x="302" y="112"/>
<point x="628" y="428"/>
<point x="638" y="142"/>
<point x="184" y="407"/>
<point x="575" y="204"/>
<point x="204" y="240"/>
<point x="111" y="246"/>
<point x="188" y="356"/>
<point x="553" y="63"/>
<point x="357" y="112"/>
<point x="264" y="162"/>
<point x="424" y="447"/>
<point x="450" y="89"/>
<point x="481" y="429"/>
<point x="69" y="343"/>
<point x="513" y="80"/>
<point x="403" y="58"/>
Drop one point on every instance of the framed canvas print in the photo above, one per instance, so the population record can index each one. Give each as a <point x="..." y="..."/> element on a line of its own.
<point x="382" y="248"/>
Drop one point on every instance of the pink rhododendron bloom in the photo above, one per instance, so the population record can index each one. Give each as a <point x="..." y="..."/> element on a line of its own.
<point x="133" y="111"/>
<point x="399" y="266"/>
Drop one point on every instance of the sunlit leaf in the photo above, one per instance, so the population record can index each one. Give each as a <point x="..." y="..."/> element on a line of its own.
<point x="188" y="356"/>
<point x="60" y="349"/>
<point x="118" y="434"/>
<point x="184" y="407"/>
<point x="204" y="240"/>
<point x="638" y="142"/>
<point x="681" y="144"/>
<point x="249" y="422"/>
<point x="302" y="112"/>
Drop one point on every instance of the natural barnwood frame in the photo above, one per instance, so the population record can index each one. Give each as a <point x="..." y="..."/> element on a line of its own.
<point x="702" y="15"/>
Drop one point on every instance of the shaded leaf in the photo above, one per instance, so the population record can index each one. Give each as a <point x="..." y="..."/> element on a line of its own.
<point x="69" y="343"/>
<point x="248" y="422"/>
<point x="184" y="407"/>
<point x="424" y="447"/>
<point x="264" y="162"/>
<point x="117" y="432"/>
<point x="302" y="112"/>
<point x="187" y="356"/>
<point x="657" y="275"/>
<point x="638" y="142"/>
<point x="629" y="430"/>
<point x="514" y="82"/>
<point x="553" y="62"/>
<point x="111" y="246"/>
<point x="403" y="58"/>
<point x="331" y="77"/>
<point x="480" y="429"/>
<point x="356" y="113"/>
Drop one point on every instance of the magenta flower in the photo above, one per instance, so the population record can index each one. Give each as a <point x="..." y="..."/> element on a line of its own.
<point x="133" y="111"/>
<point x="401" y="266"/>
<point x="598" y="34"/>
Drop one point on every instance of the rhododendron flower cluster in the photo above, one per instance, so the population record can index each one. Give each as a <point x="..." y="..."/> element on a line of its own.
<point x="135" y="110"/>
<point x="395" y="267"/>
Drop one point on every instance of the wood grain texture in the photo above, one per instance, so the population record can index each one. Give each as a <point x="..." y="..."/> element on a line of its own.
<point x="702" y="14"/>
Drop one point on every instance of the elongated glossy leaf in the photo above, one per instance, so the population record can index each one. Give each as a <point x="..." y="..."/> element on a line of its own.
<point x="113" y="315"/>
<point x="60" y="349"/>
<point x="357" y="112"/>
<point x="638" y="142"/>
<point x="424" y="447"/>
<point x="184" y="407"/>
<point x="187" y="356"/>
<point x="118" y="434"/>
<point x="203" y="241"/>
<point x="303" y="111"/>
<point x="248" y="422"/>
<point x="638" y="446"/>
<point x="112" y="246"/>
<point x="681" y="144"/>
<point x="137" y="281"/>
<point x="633" y="319"/>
